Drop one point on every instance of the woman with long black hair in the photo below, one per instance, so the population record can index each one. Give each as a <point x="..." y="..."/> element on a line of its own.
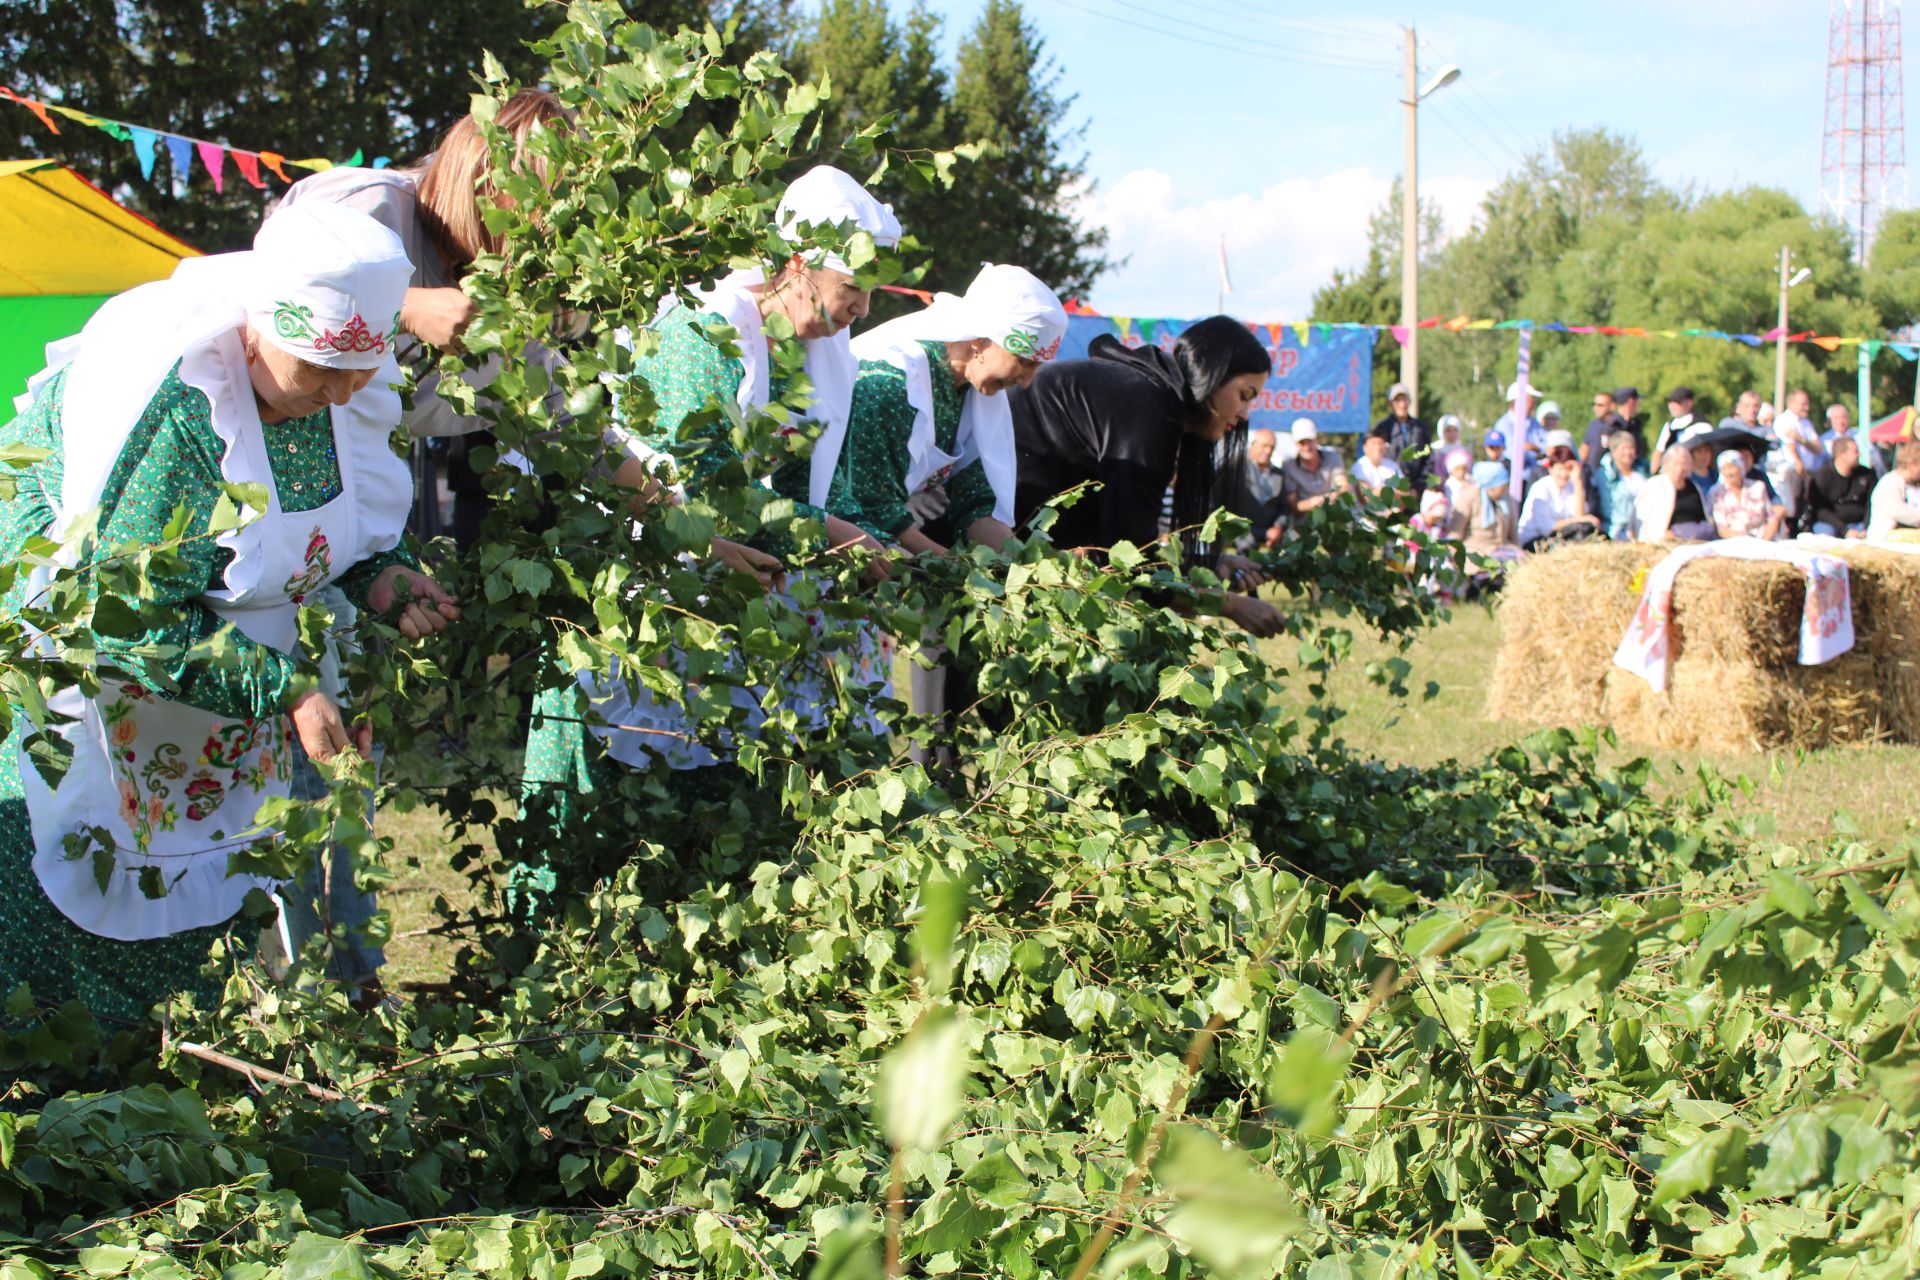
<point x="1136" y="419"/>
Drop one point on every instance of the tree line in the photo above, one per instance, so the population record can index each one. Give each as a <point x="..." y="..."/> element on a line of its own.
<point x="333" y="77"/>
<point x="1583" y="233"/>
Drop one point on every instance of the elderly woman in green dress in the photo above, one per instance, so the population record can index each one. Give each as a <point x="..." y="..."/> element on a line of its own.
<point x="719" y="350"/>
<point x="271" y="368"/>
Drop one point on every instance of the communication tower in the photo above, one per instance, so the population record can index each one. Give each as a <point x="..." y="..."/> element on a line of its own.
<point x="1863" y="155"/>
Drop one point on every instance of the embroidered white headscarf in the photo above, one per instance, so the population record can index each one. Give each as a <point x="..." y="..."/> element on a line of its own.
<point x="820" y="198"/>
<point x="1005" y="304"/>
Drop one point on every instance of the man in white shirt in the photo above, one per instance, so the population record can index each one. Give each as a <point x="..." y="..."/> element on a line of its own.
<point x="1374" y="468"/>
<point x="1556" y="506"/>
<point x="1893" y="513"/>
<point x="1798" y="452"/>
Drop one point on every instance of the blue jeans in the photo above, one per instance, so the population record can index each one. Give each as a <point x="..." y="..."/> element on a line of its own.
<point x="1827" y="530"/>
<point x="327" y="896"/>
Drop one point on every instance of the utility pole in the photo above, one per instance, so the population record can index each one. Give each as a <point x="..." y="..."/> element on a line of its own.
<point x="1780" y="334"/>
<point x="1410" y="237"/>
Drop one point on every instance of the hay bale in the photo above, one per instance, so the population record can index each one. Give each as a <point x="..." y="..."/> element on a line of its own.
<point x="1728" y="707"/>
<point x="1561" y="617"/>
<point x="1736" y="683"/>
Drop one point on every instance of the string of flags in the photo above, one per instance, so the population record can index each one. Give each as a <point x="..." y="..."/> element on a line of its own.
<point x="1306" y="331"/>
<point x="181" y="149"/>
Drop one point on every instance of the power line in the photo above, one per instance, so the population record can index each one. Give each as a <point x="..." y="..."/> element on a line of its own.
<point x="1238" y="45"/>
<point x="1520" y="143"/>
<point x="1486" y="130"/>
<point x="1240" y="11"/>
<point x="1446" y="124"/>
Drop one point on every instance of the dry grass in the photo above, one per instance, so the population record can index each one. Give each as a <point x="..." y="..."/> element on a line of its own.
<point x="1803" y="795"/>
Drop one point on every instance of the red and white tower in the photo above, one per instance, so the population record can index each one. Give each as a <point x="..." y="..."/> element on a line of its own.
<point x="1863" y="157"/>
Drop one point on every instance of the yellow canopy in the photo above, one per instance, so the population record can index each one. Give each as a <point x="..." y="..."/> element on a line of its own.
<point x="60" y="234"/>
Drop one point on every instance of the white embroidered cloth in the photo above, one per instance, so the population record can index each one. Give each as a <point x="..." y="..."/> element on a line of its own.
<point x="1826" y="623"/>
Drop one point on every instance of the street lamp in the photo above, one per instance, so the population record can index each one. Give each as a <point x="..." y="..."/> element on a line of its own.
<point x="1801" y="276"/>
<point x="1410" y="221"/>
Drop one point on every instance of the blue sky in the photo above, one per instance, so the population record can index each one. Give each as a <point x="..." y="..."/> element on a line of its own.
<point x="1279" y="124"/>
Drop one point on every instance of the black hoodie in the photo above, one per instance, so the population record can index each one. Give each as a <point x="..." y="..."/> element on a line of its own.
<point x="1116" y="417"/>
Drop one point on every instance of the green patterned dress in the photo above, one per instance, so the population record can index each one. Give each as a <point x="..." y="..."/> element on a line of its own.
<point x="565" y="769"/>
<point x="170" y="460"/>
<point x="870" y="482"/>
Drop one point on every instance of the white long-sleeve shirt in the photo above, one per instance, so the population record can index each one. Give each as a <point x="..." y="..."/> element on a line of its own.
<point x="1895" y="504"/>
<point x="1548" y="504"/>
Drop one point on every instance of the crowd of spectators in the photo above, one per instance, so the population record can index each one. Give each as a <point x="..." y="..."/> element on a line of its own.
<point x="1755" y="473"/>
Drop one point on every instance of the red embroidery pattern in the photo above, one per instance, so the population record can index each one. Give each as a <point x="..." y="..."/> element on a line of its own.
<point x="355" y="337"/>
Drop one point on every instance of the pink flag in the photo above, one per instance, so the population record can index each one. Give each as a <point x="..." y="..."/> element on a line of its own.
<point x="213" y="155"/>
<point x="1399" y="332"/>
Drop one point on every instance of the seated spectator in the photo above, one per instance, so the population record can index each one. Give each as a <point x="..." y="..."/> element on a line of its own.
<point x="1375" y="468"/>
<point x="1314" y="477"/>
<point x="1699" y="458"/>
<point x="1556" y="506"/>
<point x="1408" y="438"/>
<point x="1450" y="428"/>
<point x="1671" y="507"/>
<point x="1838" y="494"/>
<point x="1260" y="495"/>
<point x="1839" y="423"/>
<point x="1617" y="482"/>
<point x="1740" y="505"/>
<point x="1893" y="513"/>
<point x="1496" y="446"/>
<point x="1457" y="466"/>
<point x="1483" y="520"/>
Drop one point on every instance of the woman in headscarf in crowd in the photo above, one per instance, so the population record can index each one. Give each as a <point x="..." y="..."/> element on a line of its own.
<point x="1484" y="520"/>
<point x="568" y="759"/>
<point x="1136" y="419"/>
<point x="1740" y="505"/>
<point x="271" y="368"/>
<point x="928" y="408"/>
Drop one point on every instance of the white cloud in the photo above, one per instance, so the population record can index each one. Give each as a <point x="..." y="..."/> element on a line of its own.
<point x="1283" y="242"/>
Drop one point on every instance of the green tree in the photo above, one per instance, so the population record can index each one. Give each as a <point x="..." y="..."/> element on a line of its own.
<point x="1014" y="205"/>
<point x="1894" y="282"/>
<point x="326" y="78"/>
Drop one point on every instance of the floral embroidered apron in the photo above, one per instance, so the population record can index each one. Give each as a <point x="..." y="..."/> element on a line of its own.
<point x="160" y="794"/>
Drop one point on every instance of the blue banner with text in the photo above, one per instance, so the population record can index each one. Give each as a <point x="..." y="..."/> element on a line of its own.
<point x="1319" y="372"/>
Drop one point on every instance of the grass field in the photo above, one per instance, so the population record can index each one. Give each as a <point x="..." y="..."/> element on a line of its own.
<point x="1800" y="793"/>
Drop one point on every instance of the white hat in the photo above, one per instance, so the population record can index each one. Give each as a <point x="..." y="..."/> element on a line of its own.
<point x="1451" y="420"/>
<point x="1559" y="440"/>
<point x="1550" y="409"/>
<point x="1513" y="392"/>
<point x="1303" y="429"/>
<point x="1730" y="458"/>
<point x="325" y="283"/>
<point x="824" y="197"/>
<point x="1007" y="304"/>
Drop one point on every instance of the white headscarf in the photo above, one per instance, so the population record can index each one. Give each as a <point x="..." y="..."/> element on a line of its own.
<point x="326" y="287"/>
<point x="821" y="197"/>
<point x="1005" y="304"/>
<point x="327" y="265"/>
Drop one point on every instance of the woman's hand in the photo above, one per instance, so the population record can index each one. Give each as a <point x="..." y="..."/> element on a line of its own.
<point x="323" y="733"/>
<point x="1243" y="572"/>
<point x="844" y="533"/>
<point x="436" y="316"/>
<point x="428" y="607"/>
<point x="757" y="564"/>
<point x="1252" y="614"/>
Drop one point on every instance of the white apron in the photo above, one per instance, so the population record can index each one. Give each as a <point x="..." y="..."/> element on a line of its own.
<point x="160" y="794"/>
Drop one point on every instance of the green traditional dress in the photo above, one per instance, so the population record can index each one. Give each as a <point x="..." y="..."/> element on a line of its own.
<point x="870" y="481"/>
<point x="566" y="768"/>
<point x="171" y="460"/>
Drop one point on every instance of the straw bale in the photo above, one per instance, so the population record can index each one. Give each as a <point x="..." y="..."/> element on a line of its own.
<point x="1561" y="617"/>
<point x="1719" y="706"/>
<point x="1736" y="683"/>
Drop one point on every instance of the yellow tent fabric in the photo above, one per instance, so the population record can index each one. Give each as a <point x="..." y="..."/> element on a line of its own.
<point x="60" y="234"/>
